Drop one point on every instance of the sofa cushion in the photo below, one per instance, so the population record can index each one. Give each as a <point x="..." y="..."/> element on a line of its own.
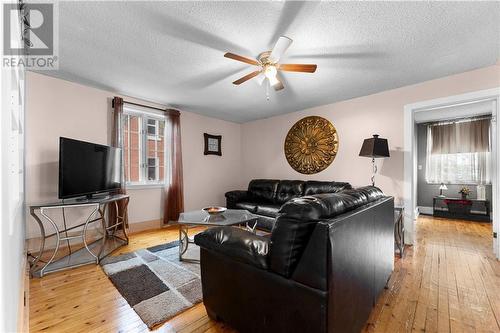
<point x="236" y="243"/>
<point x="329" y="205"/>
<point x="263" y="190"/>
<point x="251" y="207"/>
<point x="268" y="210"/>
<point x="236" y="196"/>
<point x="372" y="192"/>
<point x="288" y="240"/>
<point x="289" y="189"/>
<point x="317" y="187"/>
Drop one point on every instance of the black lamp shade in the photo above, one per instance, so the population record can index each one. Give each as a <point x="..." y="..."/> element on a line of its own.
<point x="375" y="147"/>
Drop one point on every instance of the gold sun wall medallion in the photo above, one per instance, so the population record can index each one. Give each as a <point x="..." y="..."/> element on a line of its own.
<point x="311" y="145"/>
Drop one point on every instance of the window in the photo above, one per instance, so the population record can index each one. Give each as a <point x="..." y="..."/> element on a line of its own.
<point x="153" y="127"/>
<point x="143" y="147"/>
<point x="458" y="152"/>
<point x="153" y="170"/>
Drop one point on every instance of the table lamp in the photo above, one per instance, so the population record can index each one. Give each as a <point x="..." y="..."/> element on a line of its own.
<point x="441" y="188"/>
<point x="375" y="148"/>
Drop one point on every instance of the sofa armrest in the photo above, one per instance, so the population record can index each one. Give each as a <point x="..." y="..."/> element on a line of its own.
<point x="236" y="243"/>
<point x="233" y="197"/>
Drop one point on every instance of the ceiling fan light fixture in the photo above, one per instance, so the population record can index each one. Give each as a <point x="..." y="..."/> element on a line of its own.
<point x="273" y="80"/>
<point x="260" y="78"/>
<point x="270" y="71"/>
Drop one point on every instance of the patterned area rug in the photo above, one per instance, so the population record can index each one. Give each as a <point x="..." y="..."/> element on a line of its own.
<point x="154" y="282"/>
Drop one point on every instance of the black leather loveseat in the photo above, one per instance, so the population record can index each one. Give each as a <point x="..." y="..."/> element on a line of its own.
<point x="321" y="270"/>
<point x="264" y="197"/>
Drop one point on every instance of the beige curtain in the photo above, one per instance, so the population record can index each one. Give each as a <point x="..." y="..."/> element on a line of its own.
<point x="467" y="136"/>
<point x="459" y="152"/>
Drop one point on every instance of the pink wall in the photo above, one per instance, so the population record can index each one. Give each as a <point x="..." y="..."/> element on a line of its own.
<point x="207" y="178"/>
<point x="252" y="150"/>
<point x="57" y="108"/>
<point x="355" y="120"/>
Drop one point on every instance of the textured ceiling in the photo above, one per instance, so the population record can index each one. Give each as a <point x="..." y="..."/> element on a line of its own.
<point x="172" y="52"/>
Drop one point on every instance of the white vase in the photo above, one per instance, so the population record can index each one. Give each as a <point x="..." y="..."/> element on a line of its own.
<point x="481" y="192"/>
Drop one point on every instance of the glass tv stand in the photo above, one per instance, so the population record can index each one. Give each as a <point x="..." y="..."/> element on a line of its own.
<point x="111" y="234"/>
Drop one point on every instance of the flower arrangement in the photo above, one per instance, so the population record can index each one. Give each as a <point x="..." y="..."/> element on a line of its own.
<point x="464" y="191"/>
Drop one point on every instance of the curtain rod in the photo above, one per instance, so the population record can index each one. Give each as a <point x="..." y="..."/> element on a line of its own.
<point x="459" y="119"/>
<point x="142" y="105"/>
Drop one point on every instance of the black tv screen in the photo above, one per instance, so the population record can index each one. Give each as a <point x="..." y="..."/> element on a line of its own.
<point x="87" y="168"/>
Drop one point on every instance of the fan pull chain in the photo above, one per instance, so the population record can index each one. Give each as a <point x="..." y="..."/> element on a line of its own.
<point x="268" y="84"/>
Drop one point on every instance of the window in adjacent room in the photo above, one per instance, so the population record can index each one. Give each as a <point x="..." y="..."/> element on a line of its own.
<point x="458" y="152"/>
<point x="143" y="147"/>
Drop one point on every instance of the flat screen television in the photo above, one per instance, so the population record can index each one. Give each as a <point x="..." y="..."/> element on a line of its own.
<point x="87" y="168"/>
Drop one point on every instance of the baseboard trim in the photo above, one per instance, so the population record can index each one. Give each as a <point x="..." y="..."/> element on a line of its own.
<point x="143" y="226"/>
<point x="23" y="306"/>
<point x="425" y="210"/>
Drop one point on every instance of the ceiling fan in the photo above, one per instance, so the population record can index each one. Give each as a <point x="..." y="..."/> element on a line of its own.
<point x="268" y="62"/>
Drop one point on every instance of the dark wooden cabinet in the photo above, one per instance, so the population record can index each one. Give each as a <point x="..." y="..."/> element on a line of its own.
<point x="464" y="209"/>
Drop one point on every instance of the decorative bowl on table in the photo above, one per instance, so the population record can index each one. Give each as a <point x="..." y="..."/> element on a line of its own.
<point x="214" y="210"/>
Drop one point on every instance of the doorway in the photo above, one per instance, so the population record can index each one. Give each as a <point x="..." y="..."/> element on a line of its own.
<point x="460" y="106"/>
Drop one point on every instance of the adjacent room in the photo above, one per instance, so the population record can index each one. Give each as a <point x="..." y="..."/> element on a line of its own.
<point x="455" y="154"/>
<point x="255" y="166"/>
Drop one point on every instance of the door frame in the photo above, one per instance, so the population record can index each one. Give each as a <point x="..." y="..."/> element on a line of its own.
<point x="410" y="155"/>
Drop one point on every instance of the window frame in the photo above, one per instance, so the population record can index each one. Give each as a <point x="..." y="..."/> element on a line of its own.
<point x="143" y="150"/>
<point x="155" y="126"/>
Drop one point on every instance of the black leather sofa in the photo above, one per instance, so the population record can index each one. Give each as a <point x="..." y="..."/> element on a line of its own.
<point x="264" y="197"/>
<point x="328" y="258"/>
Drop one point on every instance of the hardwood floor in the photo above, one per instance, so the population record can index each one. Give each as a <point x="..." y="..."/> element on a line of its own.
<point x="448" y="282"/>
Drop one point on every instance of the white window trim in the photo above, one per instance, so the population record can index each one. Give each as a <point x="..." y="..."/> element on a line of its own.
<point x="157" y="170"/>
<point x="144" y="116"/>
<point x="153" y="136"/>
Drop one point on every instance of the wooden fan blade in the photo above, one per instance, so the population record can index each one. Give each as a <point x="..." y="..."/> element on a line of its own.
<point x="246" y="77"/>
<point x="240" y="58"/>
<point x="304" y="68"/>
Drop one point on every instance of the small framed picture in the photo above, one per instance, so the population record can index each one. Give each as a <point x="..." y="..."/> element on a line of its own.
<point x="212" y="144"/>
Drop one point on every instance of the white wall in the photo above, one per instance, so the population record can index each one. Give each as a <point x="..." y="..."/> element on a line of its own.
<point x="12" y="230"/>
<point x="355" y="120"/>
<point x="57" y="108"/>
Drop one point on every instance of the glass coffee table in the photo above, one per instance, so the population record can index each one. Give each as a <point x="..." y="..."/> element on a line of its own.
<point x="197" y="218"/>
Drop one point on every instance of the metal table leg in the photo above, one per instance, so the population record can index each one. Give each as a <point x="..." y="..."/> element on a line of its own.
<point x="399" y="232"/>
<point x="84" y="233"/>
<point x="57" y="233"/>
<point x="251" y="228"/>
<point x="184" y="241"/>
<point x="111" y="228"/>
